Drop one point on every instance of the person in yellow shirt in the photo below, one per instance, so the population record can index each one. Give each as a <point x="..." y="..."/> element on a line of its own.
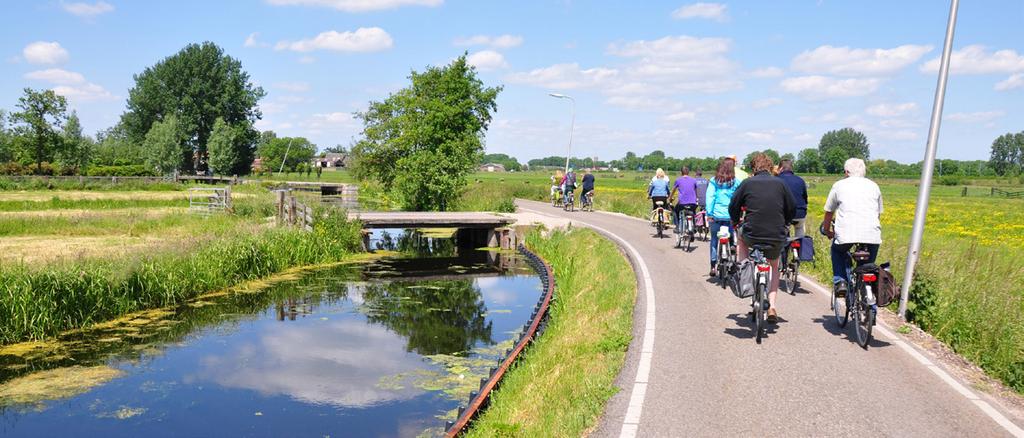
<point x="740" y="174"/>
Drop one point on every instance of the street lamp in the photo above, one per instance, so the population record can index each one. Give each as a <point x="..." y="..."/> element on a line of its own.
<point x="572" y="125"/>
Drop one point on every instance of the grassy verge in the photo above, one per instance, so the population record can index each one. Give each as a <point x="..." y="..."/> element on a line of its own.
<point x="42" y="302"/>
<point x="561" y="385"/>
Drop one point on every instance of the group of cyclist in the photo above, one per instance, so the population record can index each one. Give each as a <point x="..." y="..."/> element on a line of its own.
<point x="760" y="209"/>
<point x="563" y="185"/>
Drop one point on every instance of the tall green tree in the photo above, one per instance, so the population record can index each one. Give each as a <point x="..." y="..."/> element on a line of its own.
<point x="164" y="146"/>
<point x="1007" y="154"/>
<point x="424" y="139"/>
<point x="6" y="140"/>
<point x="839" y="145"/>
<point x="77" y="148"/>
<point x="230" y="148"/>
<point x="771" y="153"/>
<point x="273" y="152"/>
<point x="42" y="114"/>
<point x="808" y="161"/>
<point x="197" y="85"/>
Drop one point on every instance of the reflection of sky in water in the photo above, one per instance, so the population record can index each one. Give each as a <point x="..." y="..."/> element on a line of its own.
<point x="315" y="375"/>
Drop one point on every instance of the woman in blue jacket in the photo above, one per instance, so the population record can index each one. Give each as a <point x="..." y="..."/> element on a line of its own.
<point x="718" y="197"/>
<point x="659" y="189"/>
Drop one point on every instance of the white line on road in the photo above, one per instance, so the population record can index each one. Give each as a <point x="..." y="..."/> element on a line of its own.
<point x="631" y="423"/>
<point x="983" y="405"/>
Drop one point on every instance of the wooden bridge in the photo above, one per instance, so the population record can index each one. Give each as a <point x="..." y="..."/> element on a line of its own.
<point x="476" y="229"/>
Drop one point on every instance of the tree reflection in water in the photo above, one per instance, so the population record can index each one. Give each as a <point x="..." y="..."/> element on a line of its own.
<point x="436" y="317"/>
<point x="415" y="242"/>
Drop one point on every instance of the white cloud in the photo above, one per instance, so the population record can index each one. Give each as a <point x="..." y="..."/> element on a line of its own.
<point x="819" y="118"/>
<point x="251" y="41"/>
<point x="891" y="109"/>
<point x="975" y="117"/>
<point x="564" y="77"/>
<point x="673" y="46"/>
<point x="84" y="92"/>
<point x="682" y="116"/>
<point x="295" y="87"/>
<point x="358" y="5"/>
<point x="642" y="103"/>
<point x="710" y="11"/>
<point x="758" y="136"/>
<point x="364" y="39"/>
<point x="307" y="60"/>
<point x="767" y="72"/>
<point x="844" y="61"/>
<point x="87" y="10"/>
<point x="680" y="64"/>
<point x="487" y="60"/>
<point x="44" y="52"/>
<point x="56" y="76"/>
<point x="71" y="85"/>
<point x="498" y="42"/>
<point x="1012" y="82"/>
<point x="974" y="59"/>
<point x="822" y="87"/>
<point x="765" y="103"/>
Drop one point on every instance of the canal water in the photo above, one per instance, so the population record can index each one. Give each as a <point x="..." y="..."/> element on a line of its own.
<point x="386" y="348"/>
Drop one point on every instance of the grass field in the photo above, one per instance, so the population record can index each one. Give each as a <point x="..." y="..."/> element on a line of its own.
<point x="71" y="256"/>
<point x="566" y="377"/>
<point x="969" y="291"/>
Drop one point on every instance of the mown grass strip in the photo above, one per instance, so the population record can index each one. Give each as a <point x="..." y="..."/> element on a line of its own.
<point x="561" y="385"/>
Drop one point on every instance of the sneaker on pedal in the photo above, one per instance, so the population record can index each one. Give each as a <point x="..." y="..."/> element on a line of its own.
<point x="840" y="288"/>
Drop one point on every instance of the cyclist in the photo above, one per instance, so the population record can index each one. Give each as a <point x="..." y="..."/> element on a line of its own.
<point x="702" y="188"/>
<point x="588" y="184"/>
<point x="556" y="183"/>
<point x="740" y="174"/>
<point x="686" y="188"/>
<point x="769" y="209"/>
<point x="798" y="188"/>
<point x="568" y="185"/>
<point x="720" y="190"/>
<point x="658" y="189"/>
<point x="855" y="203"/>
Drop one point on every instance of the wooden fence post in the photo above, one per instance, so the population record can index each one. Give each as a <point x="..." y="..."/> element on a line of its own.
<point x="280" y="208"/>
<point x="964" y="193"/>
<point x="292" y="214"/>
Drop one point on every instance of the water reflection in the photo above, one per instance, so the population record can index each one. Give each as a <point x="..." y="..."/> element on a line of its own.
<point x="387" y="348"/>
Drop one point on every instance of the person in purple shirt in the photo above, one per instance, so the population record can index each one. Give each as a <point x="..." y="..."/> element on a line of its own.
<point x="686" y="188"/>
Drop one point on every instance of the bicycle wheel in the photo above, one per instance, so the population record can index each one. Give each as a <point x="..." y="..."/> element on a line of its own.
<point x="864" y="317"/>
<point x="661" y="226"/>
<point x="840" y="308"/>
<point x="796" y="276"/>
<point x="689" y="241"/>
<point x="759" y="312"/>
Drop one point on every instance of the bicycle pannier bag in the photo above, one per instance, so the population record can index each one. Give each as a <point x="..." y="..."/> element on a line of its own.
<point x="742" y="281"/>
<point x="806" y="249"/>
<point x="887" y="289"/>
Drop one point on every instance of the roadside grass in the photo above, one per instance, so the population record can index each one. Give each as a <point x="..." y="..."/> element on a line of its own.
<point x="55" y="202"/>
<point x="105" y="184"/>
<point x="40" y="301"/>
<point x="562" y="383"/>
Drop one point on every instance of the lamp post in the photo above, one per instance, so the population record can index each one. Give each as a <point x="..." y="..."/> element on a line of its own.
<point x="914" y="251"/>
<point x="572" y="126"/>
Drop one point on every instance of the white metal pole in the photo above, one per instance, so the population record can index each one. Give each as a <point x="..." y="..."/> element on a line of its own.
<point x="572" y="127"/>
<point x="928" y="167"/>
<point x="286" y="155"/>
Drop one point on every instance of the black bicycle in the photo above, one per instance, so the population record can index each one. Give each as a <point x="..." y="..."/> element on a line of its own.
<point x="587" y="201"/>
<point x="759" y="301"/>
<point x="726" y="256"/>
<point x="570" y="201"/>
<point x="789" y="273"/>
<point x="686" y="230"/>
<point x="859" y="300"/>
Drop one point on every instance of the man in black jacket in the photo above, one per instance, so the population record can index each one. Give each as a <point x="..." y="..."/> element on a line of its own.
<point x="766" y="206"/>
<point x="798" y="188"/>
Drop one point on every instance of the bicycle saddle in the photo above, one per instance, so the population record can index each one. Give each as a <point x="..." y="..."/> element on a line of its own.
<point x="659" y="203"/>
<point x="870" y="267"/>
<point x="763" y="247"/>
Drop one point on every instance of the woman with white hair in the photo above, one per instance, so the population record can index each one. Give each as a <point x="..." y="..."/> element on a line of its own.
<point x="658" y="189"/>
<point x="855" y="203"/>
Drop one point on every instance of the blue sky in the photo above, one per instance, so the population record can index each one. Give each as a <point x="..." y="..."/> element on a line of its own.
<point x="684" y="77"/>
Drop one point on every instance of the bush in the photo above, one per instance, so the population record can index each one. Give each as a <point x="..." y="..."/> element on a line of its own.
<point x="128" y="170"/>
<point x="951" y="180"/>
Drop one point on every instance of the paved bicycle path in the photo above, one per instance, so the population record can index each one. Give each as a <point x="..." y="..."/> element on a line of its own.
<point x="707" y="377"/>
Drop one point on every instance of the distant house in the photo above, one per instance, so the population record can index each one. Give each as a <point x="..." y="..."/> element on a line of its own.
<point x="257" y="165"/>
<point x="333" y="160"/>
<point x="492" y="167"/>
